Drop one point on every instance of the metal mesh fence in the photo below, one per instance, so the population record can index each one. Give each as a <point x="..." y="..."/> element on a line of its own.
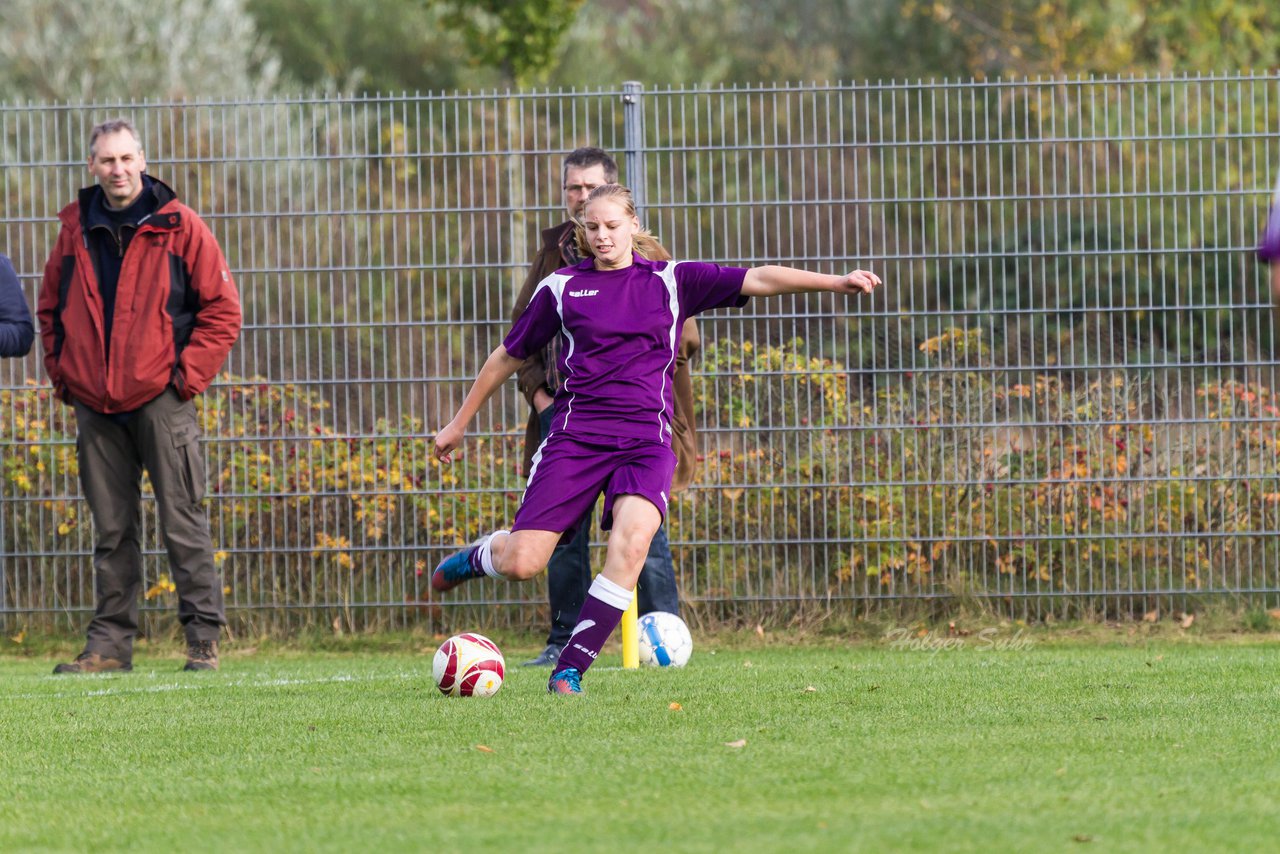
<point x="1062" y="402"/>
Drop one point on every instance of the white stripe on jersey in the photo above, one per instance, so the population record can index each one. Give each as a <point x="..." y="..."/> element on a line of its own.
<point x="668" y="276"/>
<point x="555" y="283"/>
<point x="533" y="467"/>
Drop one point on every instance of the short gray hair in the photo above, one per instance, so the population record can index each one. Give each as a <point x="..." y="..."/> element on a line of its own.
<point x="585" y="158"/>
<point x="111" y="126"/>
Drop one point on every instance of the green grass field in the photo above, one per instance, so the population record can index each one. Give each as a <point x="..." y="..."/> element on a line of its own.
<point x="1049" y="745"/>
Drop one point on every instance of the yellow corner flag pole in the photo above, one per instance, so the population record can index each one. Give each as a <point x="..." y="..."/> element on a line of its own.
<point x="631" y="636"/>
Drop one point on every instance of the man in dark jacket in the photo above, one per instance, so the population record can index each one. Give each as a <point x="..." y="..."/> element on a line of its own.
<point x="137" y="314"/>
<point x="16" y="330"/>
<point x="569" y="571"/>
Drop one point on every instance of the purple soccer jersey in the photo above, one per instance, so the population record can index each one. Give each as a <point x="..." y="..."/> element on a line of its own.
<point x="1269" y="249"/>
<point x="620" y="334"/>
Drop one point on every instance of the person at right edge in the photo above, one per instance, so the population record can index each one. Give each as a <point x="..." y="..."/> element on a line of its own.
<point x="569" y="570"/>
<point x="1269" y="251"/>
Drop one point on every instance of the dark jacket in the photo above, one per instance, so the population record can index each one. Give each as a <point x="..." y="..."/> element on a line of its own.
<point x="532" y="374"/>
<point x="16" y="330"/>
<point x="177" y="311"/>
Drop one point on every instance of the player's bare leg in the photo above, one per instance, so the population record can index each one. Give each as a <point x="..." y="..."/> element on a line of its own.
<point x="516" y="556"/>
<point x="635" y="520"/>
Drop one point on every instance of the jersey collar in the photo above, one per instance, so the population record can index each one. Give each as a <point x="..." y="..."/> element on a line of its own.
<point x="637" y="260"/>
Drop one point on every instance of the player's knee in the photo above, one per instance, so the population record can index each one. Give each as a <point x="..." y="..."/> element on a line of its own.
<point x="525" y="570"/>
<point x="634" y="551"/>
<point x="521" y="564"/>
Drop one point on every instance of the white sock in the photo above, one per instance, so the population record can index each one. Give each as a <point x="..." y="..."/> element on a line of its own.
<point x="486" y="555"/>
<point x="610" y="593"/>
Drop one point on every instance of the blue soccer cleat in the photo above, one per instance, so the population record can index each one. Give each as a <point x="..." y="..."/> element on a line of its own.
<point x="568" y="681"/>
<point x="454" y="570"/>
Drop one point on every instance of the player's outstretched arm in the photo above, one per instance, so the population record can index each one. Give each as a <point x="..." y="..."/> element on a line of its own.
<point x="772" y="279"/>
<point x="496" y="370"/>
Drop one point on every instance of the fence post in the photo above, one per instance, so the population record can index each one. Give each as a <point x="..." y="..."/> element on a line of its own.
<point x="633" y="151"/>
<point x="633" y="141"/>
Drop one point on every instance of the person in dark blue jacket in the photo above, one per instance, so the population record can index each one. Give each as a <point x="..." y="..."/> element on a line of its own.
<point x="16" y="329"/>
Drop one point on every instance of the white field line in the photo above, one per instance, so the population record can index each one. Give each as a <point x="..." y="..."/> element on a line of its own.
<point x="194" y="685"/>
<point x="202" y="682"/>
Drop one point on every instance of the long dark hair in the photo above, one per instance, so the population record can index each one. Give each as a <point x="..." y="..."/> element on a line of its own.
<point x="644" y="243"/>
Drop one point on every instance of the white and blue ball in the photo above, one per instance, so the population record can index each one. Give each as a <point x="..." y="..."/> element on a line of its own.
<point x="664" y="640"/>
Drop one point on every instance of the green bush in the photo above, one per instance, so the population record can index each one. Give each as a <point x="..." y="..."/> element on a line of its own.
<point x="952" y="481"/>
<point x="956" y="480"/>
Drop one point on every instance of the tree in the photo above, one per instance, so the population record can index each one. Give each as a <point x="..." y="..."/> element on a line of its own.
<point x="414" y="45"/>
<point x="707" y="42"/>
<point x="371" y="46"/>
<point x="518" y="37"/>
<point x="1030" y="37"/>
<point x="63" y="50"/>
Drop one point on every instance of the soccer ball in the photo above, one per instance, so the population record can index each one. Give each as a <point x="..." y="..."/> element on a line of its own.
<point x="468" y="665"/>
<point x="664" y="640"/>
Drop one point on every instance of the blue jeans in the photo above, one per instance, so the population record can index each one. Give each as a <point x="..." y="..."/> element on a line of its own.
<point x="569" y="574"/>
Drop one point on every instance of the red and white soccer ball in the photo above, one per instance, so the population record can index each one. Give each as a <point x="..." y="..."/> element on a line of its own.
<point x="468" y="665"/>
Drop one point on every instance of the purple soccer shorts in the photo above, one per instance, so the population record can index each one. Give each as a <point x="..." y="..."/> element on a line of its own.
<point x="568" y="475"/>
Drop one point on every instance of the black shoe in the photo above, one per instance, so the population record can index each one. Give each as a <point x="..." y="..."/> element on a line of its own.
<point x="202" y="655"/>
<point x="548" y="658"/>
<point x="91" y="662"/>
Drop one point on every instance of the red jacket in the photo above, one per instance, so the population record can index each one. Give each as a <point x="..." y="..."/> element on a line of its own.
<point x="177" y="311"/>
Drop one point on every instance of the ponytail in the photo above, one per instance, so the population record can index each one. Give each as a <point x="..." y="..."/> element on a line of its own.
<point x="648" y="246"/>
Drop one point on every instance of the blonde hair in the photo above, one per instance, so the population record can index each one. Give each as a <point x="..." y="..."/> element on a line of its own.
<point x="644" y="243"/>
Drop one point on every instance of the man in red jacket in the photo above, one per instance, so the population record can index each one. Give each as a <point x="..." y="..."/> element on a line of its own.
<point x="137" y="314"/>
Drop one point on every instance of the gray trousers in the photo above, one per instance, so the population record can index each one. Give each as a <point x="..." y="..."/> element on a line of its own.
<point x="162" y="437"/>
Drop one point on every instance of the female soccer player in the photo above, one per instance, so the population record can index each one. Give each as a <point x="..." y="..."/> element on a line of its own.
<point x="1269" y="251"/>
<point x="619" y="316"/>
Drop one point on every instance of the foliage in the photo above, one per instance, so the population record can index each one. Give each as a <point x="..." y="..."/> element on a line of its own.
<point x="753" y="41"/>
<point x="520" y="38"/>
<point x="700" y="42"/>
<point x="1030" y="37"/>
<point x="414" y="45"/>
<point x="372" y="46"/>
<point x="1153" y="283"/>
<point x="1065" y="485"/>
<point x="897" y="492"/>
<point x="299" y="511"/>
<point x="133" y="49"/>
<point x="1086" y="283"/>
<point x="130" y="50"/>
<point x="769" y="386"/>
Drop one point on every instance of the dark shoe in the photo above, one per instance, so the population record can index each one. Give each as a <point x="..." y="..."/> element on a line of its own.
<point x="454" y="570"/>
<point x="459" y="566"/>
<point x="547" y="658"/>
<point x="202" y="655"/>
<point x="91" y="662"/>
<point x="567" y="681"/>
